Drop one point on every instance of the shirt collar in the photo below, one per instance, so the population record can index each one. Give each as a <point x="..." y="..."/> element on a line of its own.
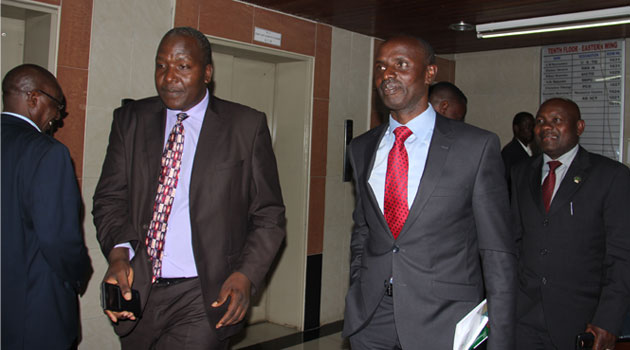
<point x="19" y="116"/>
<point x="526" y="148"/>
<point x="565" y="159"/>
<point x="197" y="111"/>
<point x="421" y="124"/>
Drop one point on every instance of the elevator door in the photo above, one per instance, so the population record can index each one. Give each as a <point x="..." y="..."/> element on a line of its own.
<point x="280" y="87"/>
<point x="29" y="35"/>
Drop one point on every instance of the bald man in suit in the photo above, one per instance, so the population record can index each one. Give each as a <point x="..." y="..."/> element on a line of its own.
<point x="570" y="210"/>
<point x="44" y="258"/>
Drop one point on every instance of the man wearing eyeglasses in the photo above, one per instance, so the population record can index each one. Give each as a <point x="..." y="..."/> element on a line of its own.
<point x="44" y="258"/>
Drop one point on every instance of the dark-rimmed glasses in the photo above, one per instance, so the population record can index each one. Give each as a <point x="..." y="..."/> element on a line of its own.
<point x="60" y="105"/>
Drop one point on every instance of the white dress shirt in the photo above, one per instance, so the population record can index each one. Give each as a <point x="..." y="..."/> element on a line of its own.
<point x="566" y="160"/>
<point x="417" y="146"/>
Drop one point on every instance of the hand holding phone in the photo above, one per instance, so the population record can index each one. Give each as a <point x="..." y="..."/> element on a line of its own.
<point x="584" y="341"/>
<point x="112" y="300"/>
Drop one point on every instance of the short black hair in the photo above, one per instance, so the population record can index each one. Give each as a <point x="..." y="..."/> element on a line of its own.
<point x="201" y="39"/>
<point x="443" y="88"/>
<point x="427" y="49"/>
<point x="429" y="52"/>
<point x="568" y="101"/>
<point x="521" y="116"/>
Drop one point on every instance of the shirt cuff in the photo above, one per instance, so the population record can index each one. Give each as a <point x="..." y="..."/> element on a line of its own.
<point x="127" y="245"/>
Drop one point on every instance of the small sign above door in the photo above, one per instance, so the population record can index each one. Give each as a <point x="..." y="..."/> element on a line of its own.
<point x="267" y="36"/>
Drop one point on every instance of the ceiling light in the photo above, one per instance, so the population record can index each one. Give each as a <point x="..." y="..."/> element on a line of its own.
<point x="570" y="21"/>
<point x="461" y="26"/>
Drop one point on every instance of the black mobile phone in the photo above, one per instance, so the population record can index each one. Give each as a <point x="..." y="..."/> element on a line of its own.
<point x="584" y="341"/>
<point x="112" y="299"/>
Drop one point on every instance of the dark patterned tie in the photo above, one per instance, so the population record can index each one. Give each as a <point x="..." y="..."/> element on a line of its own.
<point x="167" y="184"/>
<point x="549" y="183"/>
<point x="396" y="208"/>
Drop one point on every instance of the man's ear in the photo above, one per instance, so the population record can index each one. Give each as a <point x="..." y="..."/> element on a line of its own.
<point x="35" y="107"/>
<point x="430" y="74"/>
<point x="580" y="127"/>
<point x="207" y="75"/>
<point x="32" y="98"/>
<point x="442" y="107"/>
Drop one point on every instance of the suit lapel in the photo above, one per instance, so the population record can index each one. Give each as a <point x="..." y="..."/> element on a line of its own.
<point x="210" y="137"/>
<point x="438" y="150"/>
<point x="154" y="141"/>
<point x="371" y="148"/>
<point x="576" y="174"/>
<point x="520" y="149"/>
<point x="535" y="181"/>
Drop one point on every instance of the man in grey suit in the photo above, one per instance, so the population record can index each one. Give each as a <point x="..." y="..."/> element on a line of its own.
<point x="571" y="214"/>
<point x="431" y="218"/>
<point x="226" y="221"/>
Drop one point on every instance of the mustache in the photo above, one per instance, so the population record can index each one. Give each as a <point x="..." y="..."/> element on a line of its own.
<point x="171" y="89"/>
<point x="545" y="134"/>
<point x="389" y="83"/>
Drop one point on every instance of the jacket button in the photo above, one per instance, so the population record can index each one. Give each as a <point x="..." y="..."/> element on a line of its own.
<point x="544" y="280"/>
<point x="145" y="226"/>
<point x="396" y="249"/>
<point x="546" y="222"/>
<point x="544" y="251"/>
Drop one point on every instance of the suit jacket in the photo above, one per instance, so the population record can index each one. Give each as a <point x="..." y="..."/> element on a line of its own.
<point x="236" y="209"/>
<point x="44" y="258"/>
<point x="512" y="154"/>
<point x="457" y="238"/>
<point x="574" y="259"/>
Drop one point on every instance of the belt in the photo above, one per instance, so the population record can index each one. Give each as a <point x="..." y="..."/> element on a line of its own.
<point x="165" y="282"/>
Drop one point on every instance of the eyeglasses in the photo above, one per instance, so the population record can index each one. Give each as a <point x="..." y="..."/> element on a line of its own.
<point x="60" y="105"/>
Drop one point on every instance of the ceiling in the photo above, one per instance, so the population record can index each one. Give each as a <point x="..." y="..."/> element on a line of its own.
<point x="430" y="19"/>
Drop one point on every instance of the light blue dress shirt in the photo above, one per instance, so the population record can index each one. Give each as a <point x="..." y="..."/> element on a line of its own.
<point x="417" y="146"/>
<point x="178" y="259"/>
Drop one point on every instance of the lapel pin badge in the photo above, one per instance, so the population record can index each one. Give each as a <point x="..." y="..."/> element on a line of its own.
<point x="577" y="179"/>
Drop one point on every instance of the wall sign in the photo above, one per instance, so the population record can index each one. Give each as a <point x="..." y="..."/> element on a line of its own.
<point x="591" y="74"/>
<point x="267" y="36"/>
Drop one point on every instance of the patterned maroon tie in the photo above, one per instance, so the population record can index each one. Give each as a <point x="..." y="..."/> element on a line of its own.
<point x="167" y="184"/>
<point x="396" y="208"/>
<point x="549" y="183"/>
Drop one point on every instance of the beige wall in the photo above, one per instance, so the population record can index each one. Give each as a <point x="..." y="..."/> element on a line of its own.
<point x="501" y="83"/>
<point x="125" y="35"/>
<point x="498" y="85"/>
<point x="350" y="89"/>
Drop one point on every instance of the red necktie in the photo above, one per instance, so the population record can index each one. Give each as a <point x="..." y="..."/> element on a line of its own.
<point x="549" y="183"/>
<point x="167" y="184"/>
<point x="396" y="208"/>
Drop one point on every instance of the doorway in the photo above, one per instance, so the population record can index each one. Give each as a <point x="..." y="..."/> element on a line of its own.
<point x="29" y="35"/>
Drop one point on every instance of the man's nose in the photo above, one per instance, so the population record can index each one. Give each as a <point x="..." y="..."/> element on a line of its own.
<point x="389" y="73"/>
<point x="169" y="74"/>
<point x="545" y="124"/>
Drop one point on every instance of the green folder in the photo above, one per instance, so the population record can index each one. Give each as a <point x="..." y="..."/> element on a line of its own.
<point x="483" y="335"/>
